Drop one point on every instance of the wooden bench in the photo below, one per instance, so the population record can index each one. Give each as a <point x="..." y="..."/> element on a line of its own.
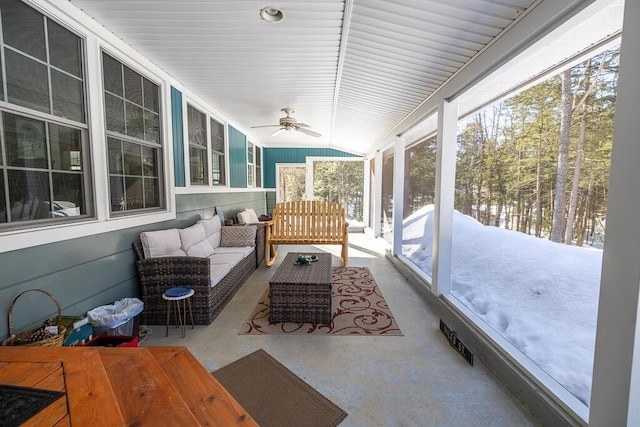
<point x="306" y="223"/>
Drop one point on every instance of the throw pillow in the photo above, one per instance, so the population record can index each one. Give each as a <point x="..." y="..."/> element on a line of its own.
<point x="161" y="243"/>
<point x="194" y="241"/>
<point x="252" y="218"/>
<point x="234" y="236"/>
<point x="248" y="216"/>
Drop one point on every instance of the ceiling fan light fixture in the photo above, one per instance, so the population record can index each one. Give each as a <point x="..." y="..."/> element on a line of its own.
<point x="271" y="14"/>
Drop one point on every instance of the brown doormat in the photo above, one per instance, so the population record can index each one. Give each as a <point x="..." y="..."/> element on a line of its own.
<point x="358" y="308"/>
<point x="275" y="396"/>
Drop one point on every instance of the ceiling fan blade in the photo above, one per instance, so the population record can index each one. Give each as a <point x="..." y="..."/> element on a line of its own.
<point x="278" y="132"/>
<point x="304" y="125"/>
<point x="265" y="126"/>
<point x="308" y="132"/>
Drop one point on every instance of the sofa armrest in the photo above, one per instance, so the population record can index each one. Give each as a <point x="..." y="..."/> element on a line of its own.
<point x="174" y="271"/>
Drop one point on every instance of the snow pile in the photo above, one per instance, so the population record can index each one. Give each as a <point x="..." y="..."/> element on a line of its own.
<point x="539" y="295"/>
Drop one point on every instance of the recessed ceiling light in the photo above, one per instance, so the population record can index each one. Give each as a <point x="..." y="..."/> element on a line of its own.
<point x="271" y="14"/>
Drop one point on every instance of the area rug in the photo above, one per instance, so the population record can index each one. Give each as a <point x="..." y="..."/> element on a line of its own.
<point x="275" y="396"/>
<point x="356" y="301"/>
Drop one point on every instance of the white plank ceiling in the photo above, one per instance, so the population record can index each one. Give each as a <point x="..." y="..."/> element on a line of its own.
<point x="352" y="69"/>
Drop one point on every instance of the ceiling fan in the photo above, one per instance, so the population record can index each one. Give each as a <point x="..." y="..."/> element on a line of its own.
<point x="290" y="123"/>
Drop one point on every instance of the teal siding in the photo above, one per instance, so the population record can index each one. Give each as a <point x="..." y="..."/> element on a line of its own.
<point x="178" y="137"/>
<point x="237" y="158"/>
<point x="271" y="156"/>
<point x="94" y="270"/>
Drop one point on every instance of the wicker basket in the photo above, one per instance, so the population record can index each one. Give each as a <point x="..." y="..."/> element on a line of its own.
<point x="16" y="339"/>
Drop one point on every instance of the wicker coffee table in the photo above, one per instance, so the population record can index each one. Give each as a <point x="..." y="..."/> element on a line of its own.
<point x="301" y="293"/>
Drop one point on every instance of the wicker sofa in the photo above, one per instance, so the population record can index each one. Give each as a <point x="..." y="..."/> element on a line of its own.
<point x="212" y="259"/>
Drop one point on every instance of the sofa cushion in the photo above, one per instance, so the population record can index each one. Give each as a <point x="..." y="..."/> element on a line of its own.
<point x="238" y="236"/>
<point x="217" y="272"/>
<point x="212" y="230"/>
<point x="248" y="216"/>
<point x="194" y="241"/>
<point x="232" y="259"/>
<point x="244" y="250"/>
<point x="161" y="243"/>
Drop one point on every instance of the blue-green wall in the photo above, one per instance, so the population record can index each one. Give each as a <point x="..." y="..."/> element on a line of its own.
<point x="95" y="270"/>
<point x="237" y="158"/>
<point x="271" y="156"/>
<point x="178" y="137"/>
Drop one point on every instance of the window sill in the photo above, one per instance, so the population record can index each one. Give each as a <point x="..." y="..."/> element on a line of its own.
<point x="26" y="238"/>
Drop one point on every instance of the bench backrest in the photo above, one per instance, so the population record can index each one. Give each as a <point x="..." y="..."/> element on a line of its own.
<point x="309" y="219"/>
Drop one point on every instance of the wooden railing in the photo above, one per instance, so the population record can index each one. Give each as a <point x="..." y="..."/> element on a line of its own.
<point x="306" y="223"/>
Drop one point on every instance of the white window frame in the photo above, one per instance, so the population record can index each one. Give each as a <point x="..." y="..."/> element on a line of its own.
<point x="191" y="100"/>
<point x="203" y="149"/>
<point x="47" y="118"/>
<point x="212" y="152"/>
<point x="161" y="145"/>
<point x="251" y="164"/>
<point x="96" y="40"/>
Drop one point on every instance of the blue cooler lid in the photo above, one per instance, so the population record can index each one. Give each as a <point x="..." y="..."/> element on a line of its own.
<point x="177" y="292"/>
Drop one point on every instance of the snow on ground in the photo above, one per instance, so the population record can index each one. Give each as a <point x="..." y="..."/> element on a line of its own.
<point x="540" y="296"/>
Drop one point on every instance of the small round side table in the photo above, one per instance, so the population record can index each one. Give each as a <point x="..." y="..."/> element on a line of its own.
<point x="177" y="295"/>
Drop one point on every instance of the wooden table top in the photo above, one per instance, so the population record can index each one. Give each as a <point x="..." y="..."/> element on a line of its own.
<point x="122" y="386"/>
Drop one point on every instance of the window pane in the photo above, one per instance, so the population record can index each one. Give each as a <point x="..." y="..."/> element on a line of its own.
<point x="140" y="164"/>
<point x="150" y="95"/>
<point x="149" y="161"/>
<point x="115" y="113"/>
<point x="68" y="196"/>
<point x="65" y="148"/>
<point x="68" y="96"/>
<point x="250" y="180"/>
<point x="337" y="181"/>
<point x="116" y="184"/>
<point x="28" y="194"/>
<point x="419" y="198"/>
<point x="25" y="142"/>
<point x="217" y="136"/>
<point x="65" y="49"/>
<point x="217" y="169"/>
<point x="197" y="123"/>
<point x="386" y="229"/>
<point x="258" y="176"/>
<point x="1" y="82"/>
<point x="530" y="223"/>
<point x="249" y="152"/>
<point x="258" y="167"/>
<point x="3" y="201"/>
<point x="135" y="121"/>
<point x="112" y="72"/>
<point x="198" y="165"/>
<point x="132" y="159"/>
<point x="372" y="191"/>
<point x="132" y="86"/>
<point x="151" y="197"/>
<point x="27" y="82"/>
<point x="151" y="126"/>
<point x="23" y="28"/>
<point x="134" y="193"/>
<point x="115" y="156"/>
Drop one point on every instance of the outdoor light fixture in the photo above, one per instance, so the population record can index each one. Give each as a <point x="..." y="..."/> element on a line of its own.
<point x="271" y="14"/>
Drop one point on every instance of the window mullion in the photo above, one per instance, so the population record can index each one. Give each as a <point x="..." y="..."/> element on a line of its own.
<point x="48" y="64"/>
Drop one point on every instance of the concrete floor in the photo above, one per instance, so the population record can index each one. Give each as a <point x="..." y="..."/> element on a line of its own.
<point x="411" y="380"/>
